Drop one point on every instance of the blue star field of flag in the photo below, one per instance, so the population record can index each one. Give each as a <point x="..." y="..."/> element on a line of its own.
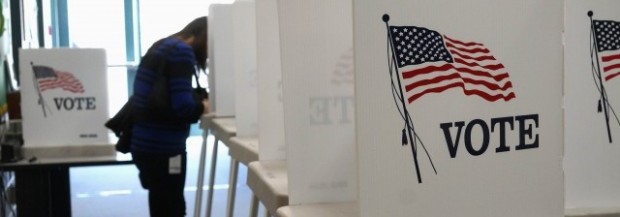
<point x="415" y="45"/>
<point x="607" y="35"/>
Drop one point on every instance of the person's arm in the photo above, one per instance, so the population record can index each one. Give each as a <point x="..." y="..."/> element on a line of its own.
<point x="181" y="65"/>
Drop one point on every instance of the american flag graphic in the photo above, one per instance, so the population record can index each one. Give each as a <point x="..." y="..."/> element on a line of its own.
<point x="432" y="63"/>
<point x="48" y="78"/>
<point x="607" y="37"/>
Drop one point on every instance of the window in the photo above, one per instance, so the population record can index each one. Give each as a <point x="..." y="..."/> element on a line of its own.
<point x="124" y="28"/>
<point x="159" y="18"/>
<point x="98" y="24"/>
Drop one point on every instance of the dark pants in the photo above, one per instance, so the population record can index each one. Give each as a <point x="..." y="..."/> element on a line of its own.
<point x="166" y="198"/>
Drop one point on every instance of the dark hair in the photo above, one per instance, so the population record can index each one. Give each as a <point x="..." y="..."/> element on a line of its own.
<point x="198" y="29"/>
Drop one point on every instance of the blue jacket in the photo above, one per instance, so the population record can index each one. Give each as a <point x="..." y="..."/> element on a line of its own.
<point x="165" y="133"/>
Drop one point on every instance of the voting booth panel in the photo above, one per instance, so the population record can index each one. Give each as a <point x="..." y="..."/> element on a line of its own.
<point x="244" y="67"/>
<point x="269" y="77"/>
<point x="458" y="107"/>
<point x="64" y="97"/>
<point x="210" y="67"/>
<point x="221" y="75"/>
<point x="592" y="92"/>
<point x="316" y="54"/>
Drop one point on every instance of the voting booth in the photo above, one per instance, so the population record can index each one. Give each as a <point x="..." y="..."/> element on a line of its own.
<point x="268" y="175"/>
<point x="269" y="79"/>
<point x="64" y="105"/>
<point x="244" y="67"/>
<point x="317" y="76"/>
<point x="592" y="94"/>
<point x="221" y="76"/>
<point x="459" y="107"/>
<point x="64" y="98"/>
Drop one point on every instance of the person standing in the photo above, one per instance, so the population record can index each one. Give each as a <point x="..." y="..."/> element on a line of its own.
<point x="158" y="137"/>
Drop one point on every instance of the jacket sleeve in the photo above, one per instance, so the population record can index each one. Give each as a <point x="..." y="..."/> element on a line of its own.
<point x="181" y="66"/>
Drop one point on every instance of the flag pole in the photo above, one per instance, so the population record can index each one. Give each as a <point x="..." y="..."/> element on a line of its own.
<point x="36" y="86"/>
<point x="386" y="18"/>
<point x="600" y="77"/>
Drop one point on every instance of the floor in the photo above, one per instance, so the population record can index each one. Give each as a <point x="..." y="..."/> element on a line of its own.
<point x="115" y="191"/>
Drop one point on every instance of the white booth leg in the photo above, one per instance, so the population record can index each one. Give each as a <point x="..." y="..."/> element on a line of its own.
<point x="201" y="174"/>
<point x="212" y="178"/>
<point x="232" y="187"/>
<point x="254" y="206"/>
